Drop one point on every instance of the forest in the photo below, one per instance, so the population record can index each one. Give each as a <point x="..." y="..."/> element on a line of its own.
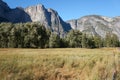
<point x="34" y="35"/>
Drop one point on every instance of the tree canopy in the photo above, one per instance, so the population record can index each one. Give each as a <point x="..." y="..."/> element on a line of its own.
<point x="34" y="35"/>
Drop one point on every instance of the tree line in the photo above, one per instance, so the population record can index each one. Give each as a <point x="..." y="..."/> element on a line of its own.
<point x="34" y="35"/>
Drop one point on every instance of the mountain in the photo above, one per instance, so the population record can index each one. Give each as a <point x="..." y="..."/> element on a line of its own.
<point x="96" y="25"/>
<point x="91" y="24"/>
<point x="16" y="15"/>
<point x="3" y="9"/>
<point x="48" y="17"/>
<point x="38" y="13"/>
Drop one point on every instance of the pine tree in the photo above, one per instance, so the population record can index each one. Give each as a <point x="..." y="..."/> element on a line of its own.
<point x="54" y="41"/>
<point x="98" y="41"/>
<point x="84" y="41"/>
<point x="115" y="41"/>
<point x="74" y="38"/>
<point x="107" y="41"/>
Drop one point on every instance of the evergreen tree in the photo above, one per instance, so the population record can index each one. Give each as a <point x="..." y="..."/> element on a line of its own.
<point x="84" y="41"/>
<point x="111" y="40"/>
<point x="54" y="41"/>
<point x="115" y="41"/>
<point x="98" y="41"/>
<point x="74" y="38"/>
<point x="107" y="41"/>
<point x="90" y="42"/>
<point x="5" y="29"/>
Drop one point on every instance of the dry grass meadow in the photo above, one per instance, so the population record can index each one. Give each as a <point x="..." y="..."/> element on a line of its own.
<point x="60" y="64"/>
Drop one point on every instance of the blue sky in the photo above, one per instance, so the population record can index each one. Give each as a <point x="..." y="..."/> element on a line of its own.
<point x="73" y="9"/>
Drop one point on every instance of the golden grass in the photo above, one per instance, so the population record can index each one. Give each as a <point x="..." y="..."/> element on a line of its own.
<point x="59" y="64"/>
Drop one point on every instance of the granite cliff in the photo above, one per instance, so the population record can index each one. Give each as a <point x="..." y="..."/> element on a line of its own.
<point x="96" y="25"/>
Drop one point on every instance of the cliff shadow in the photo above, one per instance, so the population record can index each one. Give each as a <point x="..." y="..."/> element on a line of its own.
<point x="18" y="15"/>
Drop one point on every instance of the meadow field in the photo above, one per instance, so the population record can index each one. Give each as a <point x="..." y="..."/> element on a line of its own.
<point x="60" y="64"/>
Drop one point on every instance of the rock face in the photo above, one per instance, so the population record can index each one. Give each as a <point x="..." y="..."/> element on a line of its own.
<point x="12" y="15"/>
<point x="18" y="15"/>
<point x="49" y="18"/>
<point x="3" y="10"/>
<point x="116" y="26"/>
<point x="38" y="13"/>
<point x="97" y="25"/>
